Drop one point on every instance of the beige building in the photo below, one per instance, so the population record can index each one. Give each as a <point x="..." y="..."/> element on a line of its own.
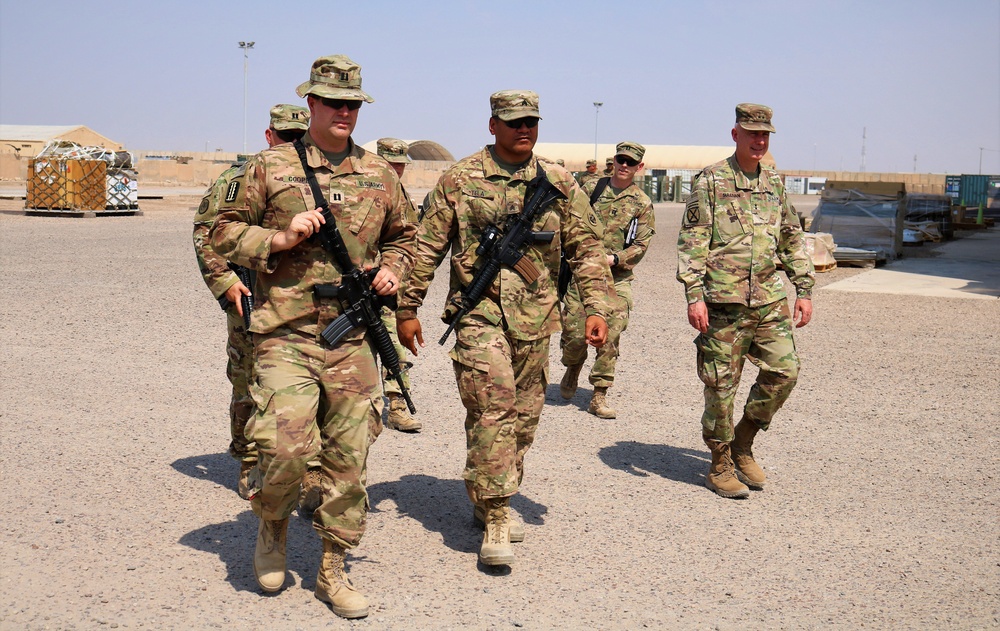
<point x="27" y="140"/>
<point x="658" y="157"/>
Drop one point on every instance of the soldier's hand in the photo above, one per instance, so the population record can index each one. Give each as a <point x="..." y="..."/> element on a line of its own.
<point x="408" y="332"/>
<point x="234" y="293"/>
<point x="597" y="331"/>
<point x="385" y="282"/>
<point x="301" y="227"/>
<point x="698" y="316"/>
<point x="803" y="312"/>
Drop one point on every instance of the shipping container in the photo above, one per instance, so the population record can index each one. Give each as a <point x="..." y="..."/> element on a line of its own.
<point x="60" y="184"/>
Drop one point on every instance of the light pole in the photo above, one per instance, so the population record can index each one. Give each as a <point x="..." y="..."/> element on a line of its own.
<point x="597" y="110"/>
<point x="247" y="47"/>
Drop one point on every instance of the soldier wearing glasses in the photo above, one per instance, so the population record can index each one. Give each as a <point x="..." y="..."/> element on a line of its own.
<point x="502" y="346"/>
<point x="313" y="399"/>
<point x="625" y="214"/>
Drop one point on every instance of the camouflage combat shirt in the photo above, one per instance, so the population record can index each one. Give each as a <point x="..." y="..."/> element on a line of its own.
<point x="615" y="212"/>
<point x="217" y="275"/>
<point x="477" y="192"/>
<point x="365" y="198"/>
<point x="734" y="232"/>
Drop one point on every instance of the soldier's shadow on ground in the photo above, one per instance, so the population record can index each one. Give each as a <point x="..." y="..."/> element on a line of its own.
<point x="581" y="399"/>
<point x="443" y="506"/>
<point x="641" y="459"/>
<point x="220" y="468"/>
<point x="234" y="542"/>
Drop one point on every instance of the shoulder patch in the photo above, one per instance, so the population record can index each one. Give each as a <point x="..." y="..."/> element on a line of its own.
<point x="232" y="190"/>
<point x="691" y="212"/>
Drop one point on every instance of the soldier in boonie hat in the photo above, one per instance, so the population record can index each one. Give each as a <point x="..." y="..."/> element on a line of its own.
<point x="393" y="150"/>
<point x="335" y="77"/>
<point x="753" y="117"/>
<point x="508" y="105"/>
<point x="285" y="117"/>
<point x="631" y="149"/>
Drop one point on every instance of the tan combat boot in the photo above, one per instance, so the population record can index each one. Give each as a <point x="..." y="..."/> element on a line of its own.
<point x="516" y="527"/>
<point x="399" y="416"/>
<point x="311" y="492"/>
<point x="721" y="476"/>
<point x="269" y="556"/>
<point x="747" y="469"/>
<point x="567" y="387"/>
<point x="243" y="488"/>
<point x="333" y="586"/>
<point x="599" y="404"/>
<point x="496" y="549"/>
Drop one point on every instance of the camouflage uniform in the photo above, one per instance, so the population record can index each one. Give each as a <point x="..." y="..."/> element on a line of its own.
<point x="734" y="232"/>
<point x="614" y="213"/>
<point x="239" y="345"/>
<point x="609" y="167"/>
<point x="501" y="350"/>
<point x="312" y="399"/>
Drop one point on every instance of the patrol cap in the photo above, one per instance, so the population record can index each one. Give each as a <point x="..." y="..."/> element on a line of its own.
<point x="393" y="150"/>
<point x="631" y="149"/>
<point x="284" y="117"/>
<point x="609" y="161"/>
<point x="753" y="117"/>
<point x="508" y="105"/>
<point x="335" y="77"/>
<point x="591" y="163"/>
<point x="561" y="162"/>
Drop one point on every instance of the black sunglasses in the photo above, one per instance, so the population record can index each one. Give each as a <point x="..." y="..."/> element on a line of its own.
<point x="530" y="122"/>
<point x="336" y="104"/>
<point x="627" y="161"/>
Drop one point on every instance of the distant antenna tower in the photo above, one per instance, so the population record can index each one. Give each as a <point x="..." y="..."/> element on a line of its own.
<point x="914" y="163"/>
<point x="864" y="138"/>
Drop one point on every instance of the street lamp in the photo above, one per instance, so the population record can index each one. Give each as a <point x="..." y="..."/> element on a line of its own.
<point x="247" y="47"/>
<point x="597" y="110"/>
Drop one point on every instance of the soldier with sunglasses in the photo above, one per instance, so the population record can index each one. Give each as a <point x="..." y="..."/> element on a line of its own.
<point x="501" y="348"/>
<point x="625" y="214"/>
<point x="313" y="399"/>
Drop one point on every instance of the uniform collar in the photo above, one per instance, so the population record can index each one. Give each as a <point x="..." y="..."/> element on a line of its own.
<point x="743" y="182"/>
<point x="492" y="169"/>
<point x="316" y="159"/>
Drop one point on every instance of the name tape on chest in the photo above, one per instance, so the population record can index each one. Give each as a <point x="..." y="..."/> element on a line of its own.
<point x="378" y="186"/>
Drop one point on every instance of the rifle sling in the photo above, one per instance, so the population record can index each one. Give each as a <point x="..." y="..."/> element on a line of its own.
<point x="317" y="192"/>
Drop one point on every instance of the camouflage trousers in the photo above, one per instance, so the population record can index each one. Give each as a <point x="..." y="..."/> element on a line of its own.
<point x="573" y="340"/>
<point x="502" y="383"/>
<point x="389" y="385"/>
<point x="239" y="369"/>
<point x="735" y="332"/>
<point x="314" y="401"/>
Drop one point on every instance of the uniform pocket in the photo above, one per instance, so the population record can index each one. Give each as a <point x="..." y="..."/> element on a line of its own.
<point x="714" y="361"/>
<point x="472" y="375"/>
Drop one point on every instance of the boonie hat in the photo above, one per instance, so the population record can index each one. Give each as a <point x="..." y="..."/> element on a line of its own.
<point x="631" y="149"/>
<point x="393" y="150"/>
<point x="286" y="116"/>
<point x="335" y="77"/>
<point x="508" y="105"/>
<point x="753" y="117"/>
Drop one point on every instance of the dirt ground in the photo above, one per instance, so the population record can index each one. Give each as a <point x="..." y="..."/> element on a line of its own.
<point x="881" y="509"/>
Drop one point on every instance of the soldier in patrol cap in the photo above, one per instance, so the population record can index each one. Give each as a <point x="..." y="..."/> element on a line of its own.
<point x="288" y="122"/>
<point x="591" y="173"/>
<point x="609" y="166"/>
<point x="625" y="214"/>
<point x="313" y="399"/>
<point x="394" y="151"/>
<point x="502" y="345"/>
<point x="737" y="227"/>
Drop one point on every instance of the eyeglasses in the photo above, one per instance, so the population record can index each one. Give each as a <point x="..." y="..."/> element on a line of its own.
<point x="336" y="104"/>
<point x="530" y="122"/>
<point x="627" y="161"/>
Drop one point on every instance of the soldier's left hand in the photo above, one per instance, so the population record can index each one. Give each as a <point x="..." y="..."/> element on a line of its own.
<point x="597" y="331"/>
<point x="803" y="312"/>
<point x="385" y="282"/>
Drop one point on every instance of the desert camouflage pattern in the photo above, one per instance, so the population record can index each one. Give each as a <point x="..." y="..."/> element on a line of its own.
<point x="501" y="349"/>
<point x="312" y="399"/>
<point x="733" y="234"/>
<point x="511" y="105"/>
<point x="476" y="192"/>
<point x="502" y="383"/>
<point x="754" y="117"/>
<point x="589" y="179"/>
<point x="614" y="213"/>
<point x="288" y="117"/>
<point x="371" y="211"/>
<point x="239" y="345"/>
<point x="393" y="150"/>
<point x="736" y="332"/>
<point x="573" y="340"/>
<point x="631" y="149"/>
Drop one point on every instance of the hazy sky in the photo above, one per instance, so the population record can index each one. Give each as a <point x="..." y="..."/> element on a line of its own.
<point x="922" y="77"/>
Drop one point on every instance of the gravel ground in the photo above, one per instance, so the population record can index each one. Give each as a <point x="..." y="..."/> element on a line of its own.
<point x="881" y="508"/>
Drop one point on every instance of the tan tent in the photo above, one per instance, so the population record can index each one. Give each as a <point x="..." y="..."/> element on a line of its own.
<point x="27" y="140"/>
<point x="667" y="157"/>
